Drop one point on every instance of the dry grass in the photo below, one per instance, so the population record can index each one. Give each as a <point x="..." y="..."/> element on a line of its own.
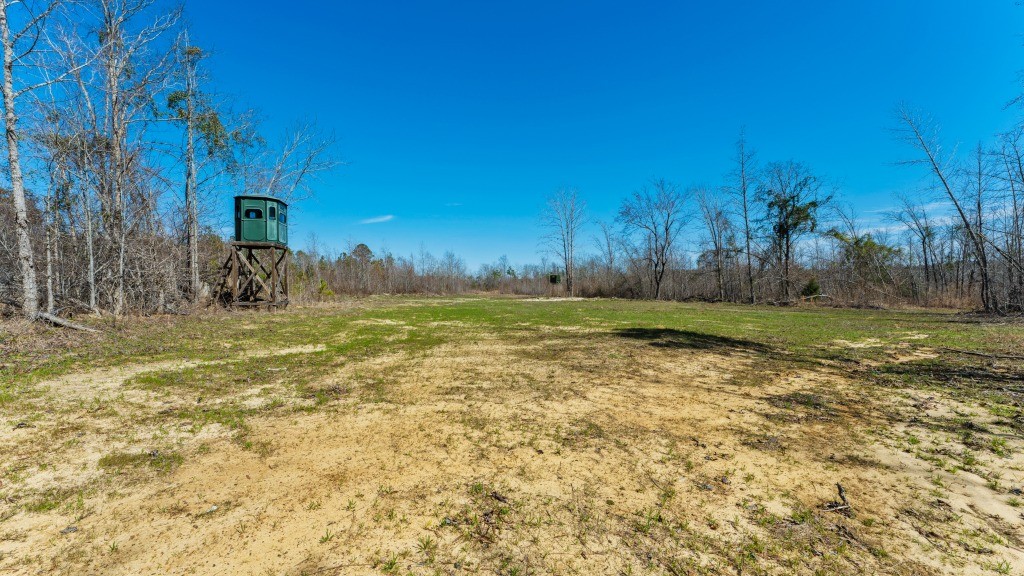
<point x="460" y="437"/>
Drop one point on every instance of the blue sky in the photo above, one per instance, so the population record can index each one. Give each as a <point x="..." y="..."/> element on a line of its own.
<point x="457" y="119"/>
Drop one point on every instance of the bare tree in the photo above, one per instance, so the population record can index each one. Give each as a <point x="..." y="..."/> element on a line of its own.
<point x="288" y="171"/>
<point x="717" y="226"/>
<point x="562" y="220"/>
<point x="607" y="246"/>
<point x="77" y="137"/>
<point x="18" y="46"/>
<point x="652" y="219"/>
<point x="1011" y="156"/>
<point x="743" y="187"/>
<point x="922" y="134"/>
<point x="132" y="69"/>
<point x="915" y="219"/>
<point x="188" y="112"/>
<point x="206" y="142"/>
<point x="980" y="183"/>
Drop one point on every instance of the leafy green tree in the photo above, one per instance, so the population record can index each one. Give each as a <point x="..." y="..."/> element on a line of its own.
<point x="867" y="261"/>
<point x="792" y="197"/>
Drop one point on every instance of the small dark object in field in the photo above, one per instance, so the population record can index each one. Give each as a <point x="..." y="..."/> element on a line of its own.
<point x="707" y="487"/>
<point x="69" y="530"/>
<point x="21" y="425"/>
<point x="499" y="497"/>
<point x="448" y="522"/>
<point x="1016" y="492"/>
<point x="843" y="506"/>
<point x="769" y="443"/>
<point x="725" y="480"/>
<point x="154" y="453"/>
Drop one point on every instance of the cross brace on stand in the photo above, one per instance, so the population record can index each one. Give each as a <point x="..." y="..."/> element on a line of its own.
<point x="254" y="274"/>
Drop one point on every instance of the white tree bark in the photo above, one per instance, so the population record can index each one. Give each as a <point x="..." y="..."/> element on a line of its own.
<point x="191" y="199"/>
<point x="563" y="219"/>
<point x="26" y="260"/>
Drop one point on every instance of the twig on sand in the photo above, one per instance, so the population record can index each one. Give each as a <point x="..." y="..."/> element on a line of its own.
<point x="843" y="503"/>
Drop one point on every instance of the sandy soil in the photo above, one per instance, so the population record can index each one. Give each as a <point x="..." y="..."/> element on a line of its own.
<point x="502" y="458"/>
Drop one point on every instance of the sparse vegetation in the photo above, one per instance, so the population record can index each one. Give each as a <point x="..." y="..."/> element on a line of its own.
<point x="521" y="436"/>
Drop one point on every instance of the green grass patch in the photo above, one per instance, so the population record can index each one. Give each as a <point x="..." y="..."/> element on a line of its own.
<point x="159" y="460"/>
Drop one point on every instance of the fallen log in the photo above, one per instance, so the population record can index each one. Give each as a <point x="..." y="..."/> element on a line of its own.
<point x="58" y="321"/>
<point x="55" y="320"/>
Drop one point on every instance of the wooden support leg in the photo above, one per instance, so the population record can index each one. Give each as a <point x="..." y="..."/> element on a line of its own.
<point x="287" y="298"/>
<point x="233" y="275"/>
<point x="273" y="276"/>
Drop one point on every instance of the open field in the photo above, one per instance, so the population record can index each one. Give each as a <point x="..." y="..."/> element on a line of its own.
<point x="514" y="437"/>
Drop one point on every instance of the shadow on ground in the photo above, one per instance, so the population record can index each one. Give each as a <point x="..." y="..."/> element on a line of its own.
<point x="998" y="386"/>
<point x="688" y="339"/>
<point x="984" y="376"/>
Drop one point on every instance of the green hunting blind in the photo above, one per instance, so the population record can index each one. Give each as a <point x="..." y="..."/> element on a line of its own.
<point x="256" y="270"/>
<point x="555" y="278"/>
<point x="261" y="219"/>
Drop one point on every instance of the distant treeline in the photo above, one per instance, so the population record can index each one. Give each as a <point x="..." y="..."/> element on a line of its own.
<point x="776" y="233"/>
<point x="117" y="147"/>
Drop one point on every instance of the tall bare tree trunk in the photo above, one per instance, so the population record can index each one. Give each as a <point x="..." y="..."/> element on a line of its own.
<point x="117" y="131"/>
<point x="717" y="224"/>
<point x="26" y="261"/>
<point x="192" y="214"/>
<point x="89" y="248"/>
<point x="51" y="252"/>
<point x="987" y="297"/>
<point x="191" y="200"/>
<point x="563" y="219"/>
<point x="744" y="160"/>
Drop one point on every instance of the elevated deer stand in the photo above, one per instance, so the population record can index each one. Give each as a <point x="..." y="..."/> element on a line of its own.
<point x="255" y="274"/>
<point x="554" y="280"/>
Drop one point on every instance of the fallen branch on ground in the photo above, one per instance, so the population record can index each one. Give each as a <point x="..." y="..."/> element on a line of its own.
<point x="55" y="320"/>
<point x="843" y="505"/>
<point x="58" y="321"/>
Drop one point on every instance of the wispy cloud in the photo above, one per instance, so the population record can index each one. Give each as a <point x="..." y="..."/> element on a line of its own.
<point x="453" y="204"/>
<point x="378" y="219"/>
<point x="928" y="207"/>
